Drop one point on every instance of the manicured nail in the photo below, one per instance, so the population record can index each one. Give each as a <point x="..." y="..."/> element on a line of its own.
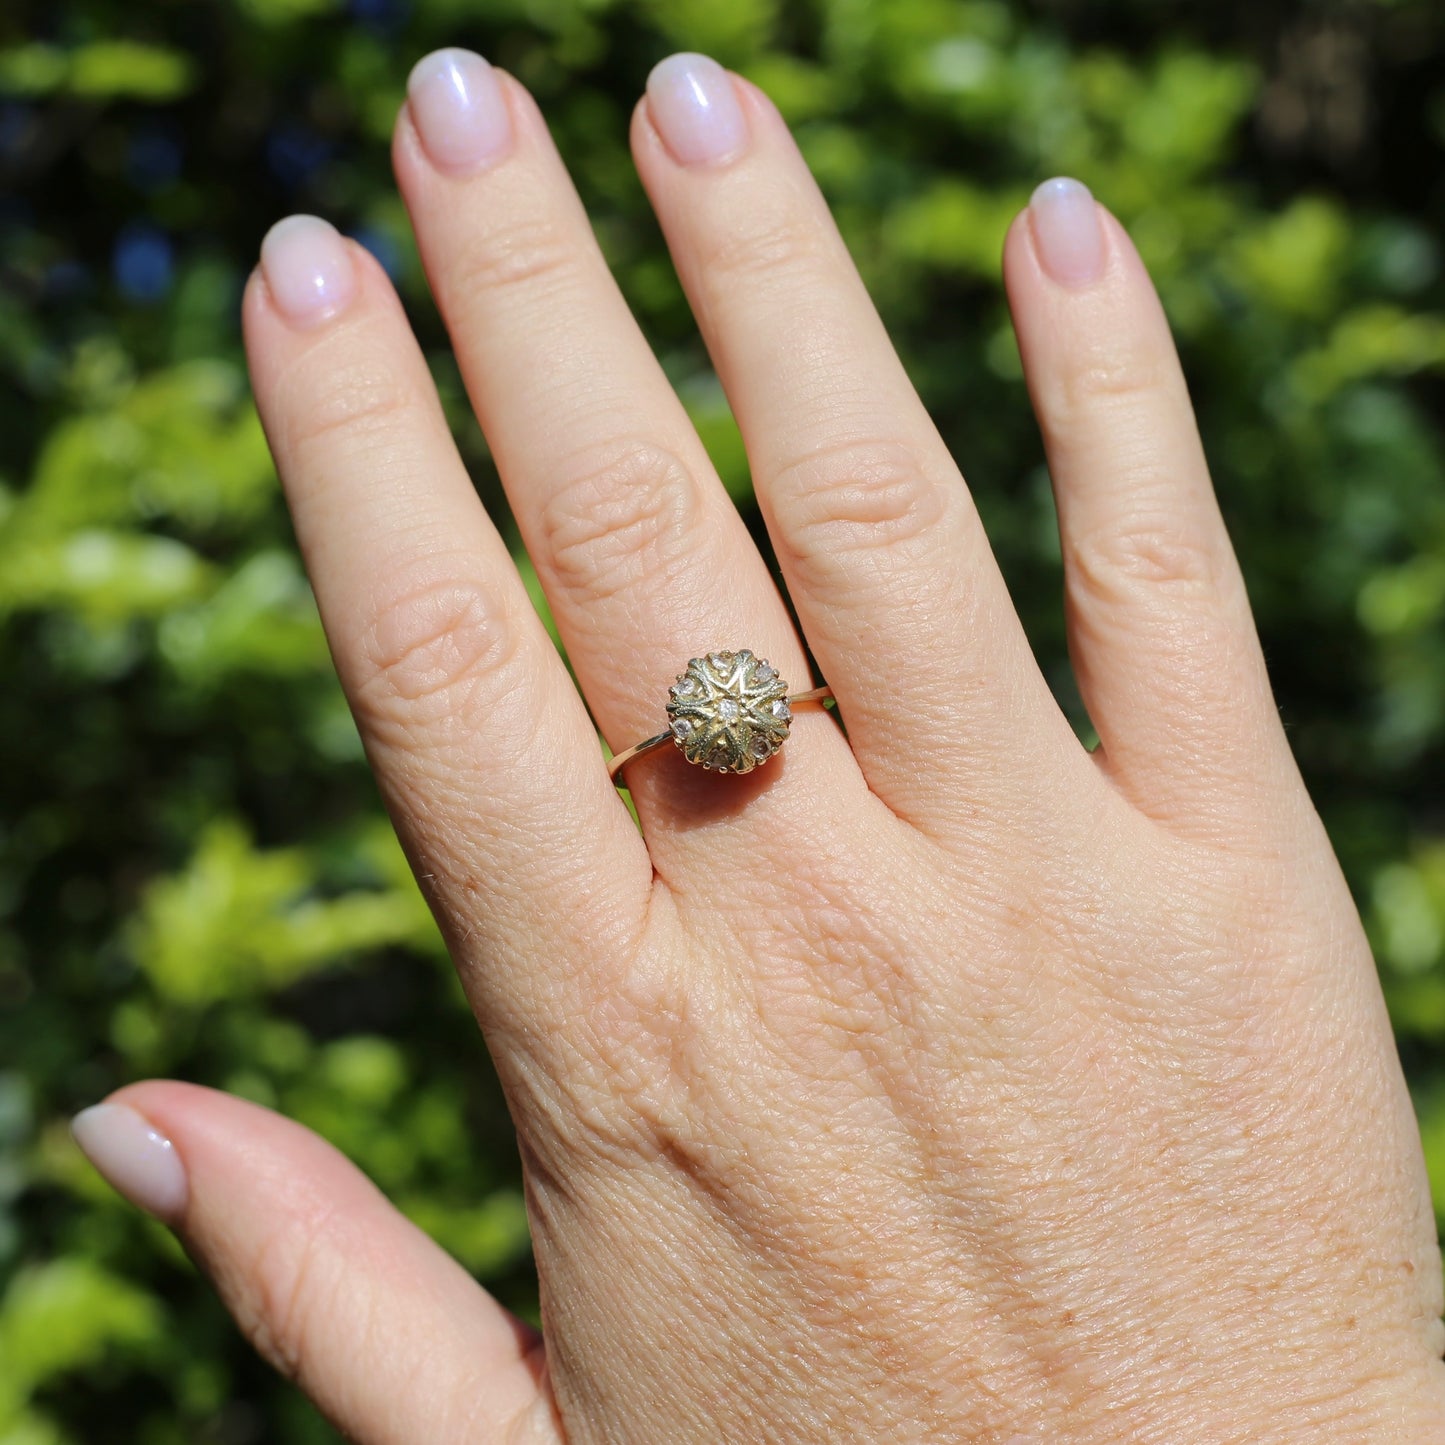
<point x="695" y="109"/>
<point x="458" y="110"/>
<point x="1067" y="233"/>
<point x="134" y="1158"/>
<point x="308" y="269"/>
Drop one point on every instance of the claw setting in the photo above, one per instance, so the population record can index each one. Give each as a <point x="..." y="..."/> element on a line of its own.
<point x="729" y="711"/>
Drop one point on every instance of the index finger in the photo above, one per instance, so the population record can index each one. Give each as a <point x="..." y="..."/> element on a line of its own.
<point x="483" y="749"/>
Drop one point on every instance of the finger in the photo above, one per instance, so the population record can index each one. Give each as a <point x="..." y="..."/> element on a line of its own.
<point x="644" y="559"/>
<point x="481" y="744"/>
<point x="884" y="556"/>
<point x="390" y="1337"/>
<point x="1159" y="622"/>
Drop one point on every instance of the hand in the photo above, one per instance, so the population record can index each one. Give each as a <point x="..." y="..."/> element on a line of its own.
<point x="942" y="1081"/>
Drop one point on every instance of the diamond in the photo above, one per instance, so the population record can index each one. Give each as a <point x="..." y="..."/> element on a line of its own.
<point x="727" y="709"/>
<point x="764" y="674"/>
<point x="682" y="728"/>
<point x="781" y="710"/>
<point x="761" y="746"/>
<point x="684" y="687"/>
<point x="719" y="661"/>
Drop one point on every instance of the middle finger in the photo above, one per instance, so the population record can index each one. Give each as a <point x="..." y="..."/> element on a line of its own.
<point x="644" y="559"/>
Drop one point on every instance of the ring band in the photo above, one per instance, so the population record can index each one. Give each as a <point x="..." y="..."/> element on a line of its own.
<point x="727" y="712"/>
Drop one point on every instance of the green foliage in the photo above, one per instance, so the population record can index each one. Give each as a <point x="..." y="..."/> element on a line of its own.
<point x="196" y="876"/>
<point x="101" y="70"/>
<point x="60" y="1316"/>
<point x="238" y="921"/>
<point x="734" y="32"/>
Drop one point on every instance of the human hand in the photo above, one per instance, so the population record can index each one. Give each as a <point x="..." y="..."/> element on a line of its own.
<point x="943" y="1082"/>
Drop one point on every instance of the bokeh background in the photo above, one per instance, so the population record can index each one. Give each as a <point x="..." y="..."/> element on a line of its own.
<point x="196" y="878"/>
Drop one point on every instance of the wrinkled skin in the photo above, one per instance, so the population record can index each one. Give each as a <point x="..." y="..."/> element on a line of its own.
<point x="941" y="1081"/>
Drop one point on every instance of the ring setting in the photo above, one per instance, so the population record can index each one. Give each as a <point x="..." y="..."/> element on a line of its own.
<point x="728" y="712"/>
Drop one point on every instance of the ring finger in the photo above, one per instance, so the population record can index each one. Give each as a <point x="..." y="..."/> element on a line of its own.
<point x="883" y="552"/>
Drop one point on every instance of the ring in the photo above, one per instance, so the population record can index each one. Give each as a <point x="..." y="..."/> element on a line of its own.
<point x="727" y="712"/>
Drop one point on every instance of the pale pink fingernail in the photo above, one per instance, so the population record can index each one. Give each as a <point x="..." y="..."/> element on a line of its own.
<point x="134" y="1158"/>
<point x="695" y="109"/>
<point x="308" y="269"/>
<point x="1067" y="233"/>
<point x="458" y="110"/>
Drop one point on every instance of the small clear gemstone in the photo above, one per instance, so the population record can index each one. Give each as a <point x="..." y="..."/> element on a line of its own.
<point x="727" y="709"/>
<point x="782" y="711"/>
<point x="718" y="660"/>
<point x="764" y="675"/>
<point x="682" y="728"/>
<point x="761" y="745"/>
<point x="684" y="687"/>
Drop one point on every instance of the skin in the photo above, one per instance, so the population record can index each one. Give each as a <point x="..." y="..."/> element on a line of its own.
<point x="942" y="1082"/>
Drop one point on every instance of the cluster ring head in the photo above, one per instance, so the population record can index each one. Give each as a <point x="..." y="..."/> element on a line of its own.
<point x="729" y="711"/>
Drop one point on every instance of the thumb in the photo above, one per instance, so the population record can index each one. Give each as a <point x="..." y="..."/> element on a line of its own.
<point x="390" y="1337"/>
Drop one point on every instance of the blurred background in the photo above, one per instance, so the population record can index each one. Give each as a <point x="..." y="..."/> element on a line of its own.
<point x="196" y="877"/>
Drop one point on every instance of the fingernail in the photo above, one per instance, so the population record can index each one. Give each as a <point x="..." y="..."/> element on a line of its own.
<point x="695" y="109"/>
<point x="308" y="269"/>
<point x="133" y="1157"/>
<point x="1067" y="234"/>
<point x="458" y="110"/>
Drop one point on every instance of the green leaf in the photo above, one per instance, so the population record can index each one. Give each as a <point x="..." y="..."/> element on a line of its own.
<point x="1431" y="1114"/>
<point x="731" y="32"/>
<point x="105" y="577"/>
<point x="262" y="620"/>
<point x="127" y="69"/>
<point x="239" y="920"/>
<point x="70" y="1313"/>
<point x="954" y="225"/>
<point x="1295" y="261"/>
<point x="1370" y="340"/>
<point x="32" y="70"/>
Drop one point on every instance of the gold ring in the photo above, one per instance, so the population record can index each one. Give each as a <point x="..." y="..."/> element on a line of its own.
<point x="727" y="712"/>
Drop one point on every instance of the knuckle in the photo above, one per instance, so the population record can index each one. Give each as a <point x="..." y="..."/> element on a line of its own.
<point x="533" y="254"/>
<point x="293" y="1282"/>
<point x="858" y="496"/>
<point x="432" y="644"/>
<point x="1141" y="555"/>
<point x="762" y="245"/>
<point x="632" y="514"/>
<point x="360" y="398"/>
<point x="1107" y="379"/>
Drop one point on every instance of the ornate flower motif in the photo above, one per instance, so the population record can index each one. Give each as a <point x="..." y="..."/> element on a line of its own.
<point x="729" y="711"/>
